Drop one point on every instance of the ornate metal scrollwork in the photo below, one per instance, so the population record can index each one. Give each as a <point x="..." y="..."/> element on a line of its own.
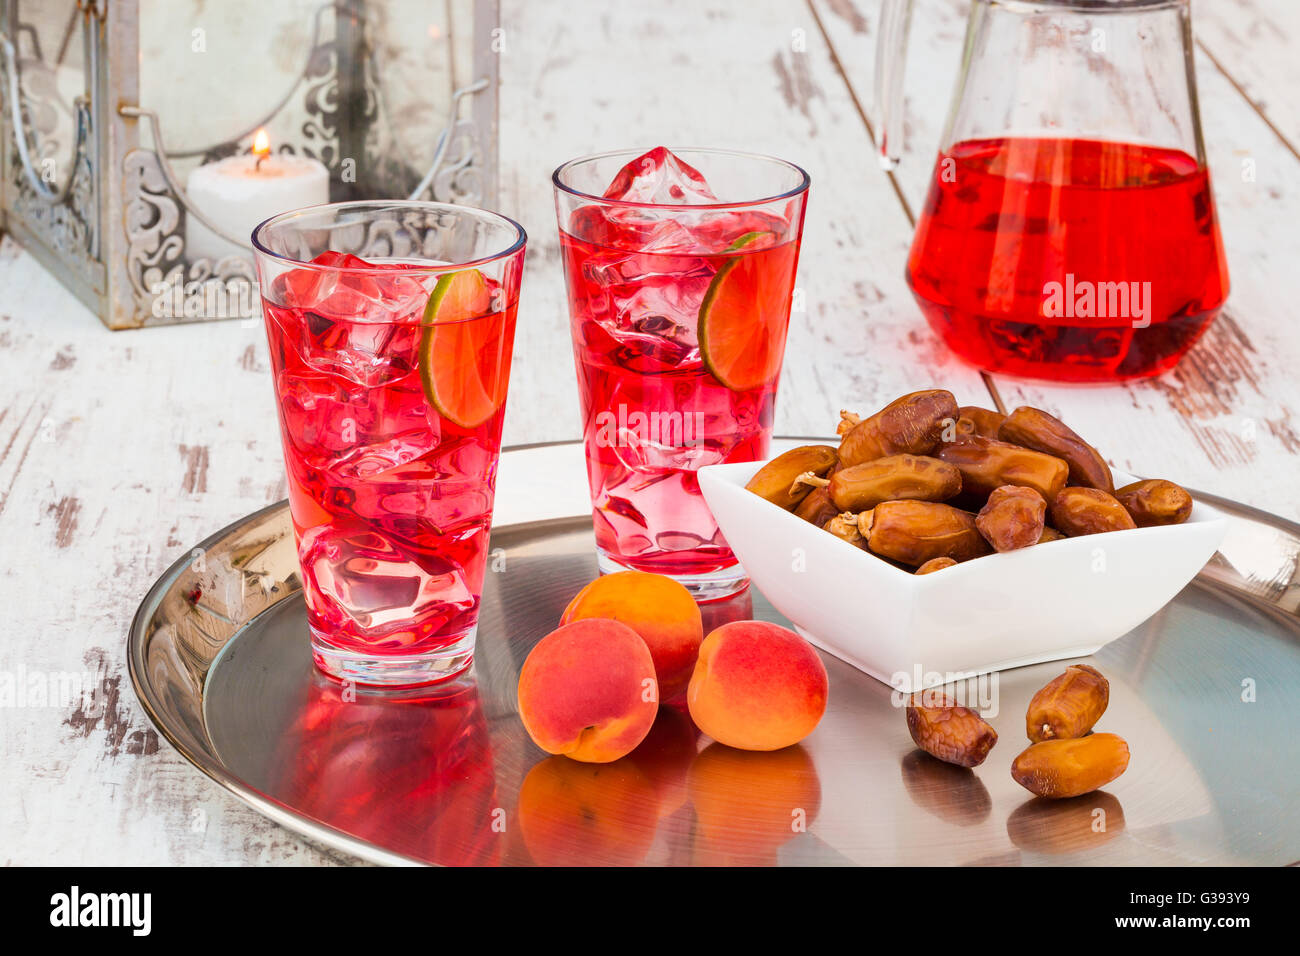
<point x="460" y="180"/>
<point x="163" y="285"/>
<point x="65" y="226"/>
<point x="321" y="103"/>
<point x="63" y="219"/>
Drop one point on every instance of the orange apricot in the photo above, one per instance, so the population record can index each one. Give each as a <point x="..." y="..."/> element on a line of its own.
<point x="658" y="608"/>
<point x="587" y="690"/>
<point x="757" y="686"/>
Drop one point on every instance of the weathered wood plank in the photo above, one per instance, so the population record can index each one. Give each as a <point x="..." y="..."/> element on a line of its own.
<point x="1253" y="42"/>
<point x="1223" y="420"/>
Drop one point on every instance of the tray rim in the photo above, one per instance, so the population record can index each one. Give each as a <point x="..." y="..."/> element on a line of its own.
<point x="335" y="840"/>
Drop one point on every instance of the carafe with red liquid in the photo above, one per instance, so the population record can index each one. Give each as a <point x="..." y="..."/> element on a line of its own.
<point x="1069" y="232"/>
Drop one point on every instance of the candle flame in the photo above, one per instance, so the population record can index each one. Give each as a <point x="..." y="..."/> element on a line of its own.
<point x="261" y="143"/>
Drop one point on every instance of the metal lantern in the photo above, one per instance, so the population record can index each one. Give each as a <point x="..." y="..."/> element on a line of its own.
<point x="110" y="108"/>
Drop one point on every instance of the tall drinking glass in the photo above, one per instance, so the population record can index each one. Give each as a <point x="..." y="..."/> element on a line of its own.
<point x="680" y="268"/>
<point x="391" y="326"/>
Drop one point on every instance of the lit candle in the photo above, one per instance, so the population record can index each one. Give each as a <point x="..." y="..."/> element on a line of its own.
<point x="238" y="192"/>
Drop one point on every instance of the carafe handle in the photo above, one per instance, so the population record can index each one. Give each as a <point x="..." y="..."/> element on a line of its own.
<point x="891" y="63"/>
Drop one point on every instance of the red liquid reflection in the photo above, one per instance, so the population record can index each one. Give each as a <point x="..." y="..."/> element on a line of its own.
<point x="738" y="607"/>
<point x="412" y="771"/>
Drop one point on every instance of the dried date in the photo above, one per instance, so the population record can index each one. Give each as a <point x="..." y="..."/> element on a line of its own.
<point x="1155" y="501"/>
<point x="914" y="532"/>
<point x="912" y="424"/>
<point x="986" y="464"/>
<point x="948" y="731"/>
<point x="778" y="480"/>
<point x="1068" y="706"/>
<point x="1080" y="511"/>
<point x="1057" y="769"/>
<point x="1036" y="429"/>
<point x="1014" y="517"/>
<point x="917" y="477"/>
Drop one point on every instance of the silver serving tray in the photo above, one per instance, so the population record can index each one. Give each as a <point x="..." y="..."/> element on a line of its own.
<point x="1205" y="693"/>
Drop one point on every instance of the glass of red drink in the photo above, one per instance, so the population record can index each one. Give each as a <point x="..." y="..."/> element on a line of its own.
<point x="1070" y="232"/>
<point x="680" y="268"/>
<point x="390" y="327"/>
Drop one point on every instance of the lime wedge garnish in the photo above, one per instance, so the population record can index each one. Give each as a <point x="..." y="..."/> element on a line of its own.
<point x="744" y="314"/>
<point x="460" y="365"/>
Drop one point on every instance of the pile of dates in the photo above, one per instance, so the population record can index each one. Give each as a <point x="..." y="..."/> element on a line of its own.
<point x="1064" y="758"/>
<point x="926" y="484"/>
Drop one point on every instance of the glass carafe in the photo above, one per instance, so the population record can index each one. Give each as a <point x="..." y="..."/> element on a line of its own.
<point x="1070" y="231"/>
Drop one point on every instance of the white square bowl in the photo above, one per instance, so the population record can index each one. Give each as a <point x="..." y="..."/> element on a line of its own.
<point x="1057" y="600"/>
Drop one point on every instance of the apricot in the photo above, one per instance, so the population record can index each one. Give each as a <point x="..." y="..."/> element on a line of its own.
<point x="658" y="608"/>
<point x="587" y="690"/>
<point x="757" y="686"/>
<point x="574" y="814"/>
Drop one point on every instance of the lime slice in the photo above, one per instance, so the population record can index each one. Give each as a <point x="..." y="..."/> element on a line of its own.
<point x="460" y="364"/>
<point x="743" y="316"/>
<point x="749" y="238"/>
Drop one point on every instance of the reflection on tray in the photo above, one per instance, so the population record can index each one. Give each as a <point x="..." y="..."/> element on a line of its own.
<point x="1066" y="826"/>
<point x="951" y="793"/>
<point x="415" y="772"/>
<point x="741" y="807"/>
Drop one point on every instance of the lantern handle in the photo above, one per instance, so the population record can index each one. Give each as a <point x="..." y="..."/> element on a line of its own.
<point x="445" y="137"/>
<point x="34" y="179"/>
<point x="136" y="112"/>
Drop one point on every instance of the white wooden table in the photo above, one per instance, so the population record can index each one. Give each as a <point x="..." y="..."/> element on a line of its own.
<point x="118" y="451"/>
